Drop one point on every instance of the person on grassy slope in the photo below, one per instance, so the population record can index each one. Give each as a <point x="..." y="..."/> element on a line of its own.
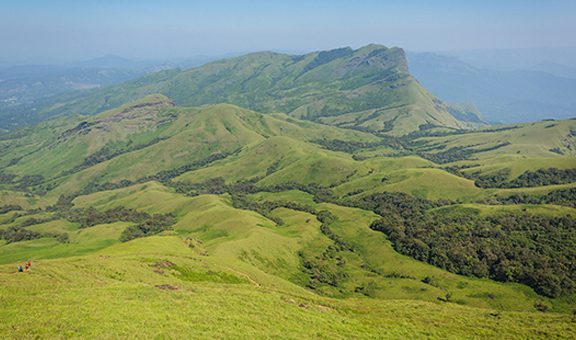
<point x="20" y="269"/>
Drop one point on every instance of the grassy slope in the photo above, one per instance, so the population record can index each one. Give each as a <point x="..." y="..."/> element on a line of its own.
<point x="244" y="255"/>
<point x="52" y="147"/>
<point x="530" y="147"/>
<point x="240" y="270"/>
<point x="367" y="87"/>
<point x="124" y="302"/>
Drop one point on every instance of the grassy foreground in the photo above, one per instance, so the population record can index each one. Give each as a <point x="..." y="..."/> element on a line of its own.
<point x="115" y="293"/>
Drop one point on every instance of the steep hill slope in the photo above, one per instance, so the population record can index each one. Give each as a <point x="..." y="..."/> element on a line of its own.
<point x="368" y="88"/>
<point x="143" y="138"/>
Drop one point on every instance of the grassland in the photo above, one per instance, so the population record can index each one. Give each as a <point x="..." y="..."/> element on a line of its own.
<point x="369" y="87"/>
<point x="124" y="301"/>
<point x="222" y="271"/>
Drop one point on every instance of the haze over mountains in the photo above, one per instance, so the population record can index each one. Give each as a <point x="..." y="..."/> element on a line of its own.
<point x="367" y="88"/>
<point x="512" y="94"/>
<point x="500" y="85"/>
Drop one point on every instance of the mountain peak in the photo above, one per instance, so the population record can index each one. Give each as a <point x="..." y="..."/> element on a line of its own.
<point x="368" y="88"/>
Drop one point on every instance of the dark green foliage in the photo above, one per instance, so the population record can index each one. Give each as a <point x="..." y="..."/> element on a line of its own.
<point x="325" y="57"/>
<point x="6" y="178"/>
<point x="64" y="203"/>
<point x="495" y="180"/>
<point x="320" y="193"/>
<point x="536" y="178"/>
<point x="457" y="153"/>
<point x="351" y="146"/>
<point x="89" y="217"/>
<point x="167" y="175"/>
<point x="325" y="217"/>
<point x="93" y="187"/>
<point x="339" y="242"/>
<point x="273" y="168"/>
<point x="153" y="225"/>
<point x="541" y="307"/>
<point x="538" y="251"/>
<point x="397" y="205"/>
<point x="321" y="270"/>
<point x="566" y="197"/>
<point x="240" y="201"/>
<point x="556" y="150"/>
<point x="33" y="221"/>
<point x="63" y="238"/>
<point x="457" y="170"/>
<point x="164" y="177"/>
<point x="18" y="234"/>
<point x="9" y="207"/>
<point x="29" y="181"/>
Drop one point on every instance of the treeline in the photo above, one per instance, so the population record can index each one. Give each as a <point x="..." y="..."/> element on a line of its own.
<point x="165" y="176"/>
<point x="219" y="186"/>
<point x="146" y="224"/>
<point x="534" y="250"/>
<point x="89" y="217"/>
<point x="8" y="208"/>
<point x="565" y="197"/>
<point x="458" y="153"/>
<point x="19" y="233"/>
<point x="154" y="224"/>
<point x="352" y="146"/>
<point x="108" y="152"/>
<point x="408" y="145"/>
<point x="541" y="177"/>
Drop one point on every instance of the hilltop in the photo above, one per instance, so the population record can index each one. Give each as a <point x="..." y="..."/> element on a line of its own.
<point x="368" y="88"/>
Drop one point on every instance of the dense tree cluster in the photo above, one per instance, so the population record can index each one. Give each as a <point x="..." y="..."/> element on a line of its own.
<point x="88" y="217"/>
<point x="8" y="208"/>
<point x="541" y="177"/>
<point x="240" y="201"/>
<point x="152" y="225"/>
<point x="6" y="178"/>
<point x="352" y="146"/>
<point x="33" y="221"/>
<point x="538" y="251"/>
<point x="411" y="145"/>
<point x="146" y="224"/>
<point x="326" y="268"/>
<point x="566" y="197"/>
<point x="25" y="182"/>
<point x="18" y="234"/>
<point x="458" y="153"/>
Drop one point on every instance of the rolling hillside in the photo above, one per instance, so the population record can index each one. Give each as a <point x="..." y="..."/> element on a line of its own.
<point x="367" y="88"/>
<point x="218" y="220"/>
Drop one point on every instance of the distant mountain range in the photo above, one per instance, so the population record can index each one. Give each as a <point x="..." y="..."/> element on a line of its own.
<point x="501" y="95"/>
<point x="344" y="87"/>
<point x="368" y="88"/>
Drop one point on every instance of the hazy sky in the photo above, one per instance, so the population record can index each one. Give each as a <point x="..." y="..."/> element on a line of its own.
<point x="75" y="29"/>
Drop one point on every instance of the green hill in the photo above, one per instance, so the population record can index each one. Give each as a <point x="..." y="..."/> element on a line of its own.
<point x="367" y="88"/>
<point x="157" y="220"/>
